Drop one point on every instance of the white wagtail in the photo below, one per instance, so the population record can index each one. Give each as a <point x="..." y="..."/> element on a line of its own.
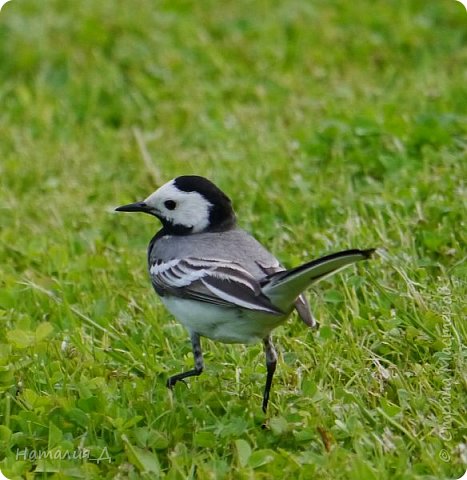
<point x="216" y="279"/>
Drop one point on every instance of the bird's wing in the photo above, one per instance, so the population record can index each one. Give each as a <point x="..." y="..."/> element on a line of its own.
<point x="214" y="281"/>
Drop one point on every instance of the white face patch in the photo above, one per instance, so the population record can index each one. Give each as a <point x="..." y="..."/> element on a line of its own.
<point x="191" y="208"/>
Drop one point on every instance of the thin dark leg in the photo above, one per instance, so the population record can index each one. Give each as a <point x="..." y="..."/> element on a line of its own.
<point x="199" y="363"/>
<point x="271" y="361"/>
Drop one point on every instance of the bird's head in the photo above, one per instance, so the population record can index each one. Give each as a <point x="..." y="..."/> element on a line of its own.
<point x="187" y="204"/>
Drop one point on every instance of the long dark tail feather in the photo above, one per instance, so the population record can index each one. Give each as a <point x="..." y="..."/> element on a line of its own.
<point x="284" y="287"/>
<point x="323" y="266"/>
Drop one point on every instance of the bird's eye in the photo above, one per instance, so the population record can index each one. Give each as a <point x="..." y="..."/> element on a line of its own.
<point x="170" y="204"/>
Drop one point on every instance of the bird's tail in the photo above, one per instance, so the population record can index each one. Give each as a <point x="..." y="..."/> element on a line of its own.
<point x="284" y="287"/>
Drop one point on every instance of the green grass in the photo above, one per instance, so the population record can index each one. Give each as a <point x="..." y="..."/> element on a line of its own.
<point x="332" y="125"/>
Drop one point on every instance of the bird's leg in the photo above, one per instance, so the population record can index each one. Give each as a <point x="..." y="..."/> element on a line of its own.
<point x="271" y="361"/>
<point x="199" y="363"/>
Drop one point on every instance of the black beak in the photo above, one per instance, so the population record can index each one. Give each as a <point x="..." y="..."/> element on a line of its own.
<point x="134" y="207"/>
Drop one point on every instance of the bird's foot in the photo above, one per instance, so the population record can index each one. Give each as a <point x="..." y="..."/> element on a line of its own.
<point x="173" y="380"/>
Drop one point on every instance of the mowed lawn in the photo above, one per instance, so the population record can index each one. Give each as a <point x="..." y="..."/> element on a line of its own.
<point x="332" y="125"/>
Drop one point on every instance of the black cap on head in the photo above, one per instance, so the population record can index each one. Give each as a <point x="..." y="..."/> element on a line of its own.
<point x="221" y="214"/>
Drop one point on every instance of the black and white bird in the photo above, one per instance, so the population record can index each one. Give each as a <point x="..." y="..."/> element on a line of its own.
<point x="216" y="279"/>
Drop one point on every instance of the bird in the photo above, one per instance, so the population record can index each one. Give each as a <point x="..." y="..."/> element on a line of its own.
<point x="217" y="280"/>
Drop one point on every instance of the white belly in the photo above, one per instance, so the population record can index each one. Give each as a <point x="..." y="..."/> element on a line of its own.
<point x="227" y="325"/>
